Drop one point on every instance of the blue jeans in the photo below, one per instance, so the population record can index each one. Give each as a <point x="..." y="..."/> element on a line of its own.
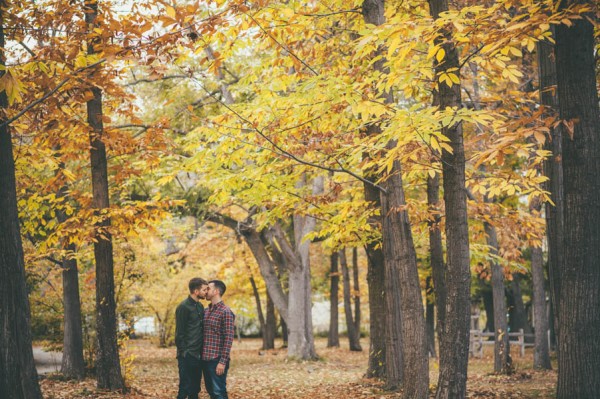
<point x="216" y="385"/>
<point x="190" y="375"/>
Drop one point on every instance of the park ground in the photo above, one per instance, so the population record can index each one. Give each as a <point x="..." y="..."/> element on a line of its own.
<point x="256" y="374"/>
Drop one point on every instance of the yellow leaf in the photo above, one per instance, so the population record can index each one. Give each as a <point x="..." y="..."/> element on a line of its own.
<point x="454" y="78"/>
<point x="171" y="12"/>
<point x="435" y="145"/>
<point x="439" y="56"/>
<point x="516" y="52"/>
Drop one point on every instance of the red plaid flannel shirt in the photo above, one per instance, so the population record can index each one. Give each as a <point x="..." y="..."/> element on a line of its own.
<point x="218" y="332"/>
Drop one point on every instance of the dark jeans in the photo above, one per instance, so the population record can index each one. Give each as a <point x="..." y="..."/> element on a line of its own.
<point x="216" y="385"/>
<point x="190" y="375"/>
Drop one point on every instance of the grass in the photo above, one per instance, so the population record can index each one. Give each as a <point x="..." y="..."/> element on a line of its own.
<point x="270" y="375"/>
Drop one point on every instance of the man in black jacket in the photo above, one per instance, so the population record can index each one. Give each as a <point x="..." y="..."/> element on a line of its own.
<point x="189" y="332"/>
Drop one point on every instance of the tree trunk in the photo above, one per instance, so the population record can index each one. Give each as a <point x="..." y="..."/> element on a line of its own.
<point x="259" y="312"/>
<point x="108" y="367"/>
<point x="18" y="377"/>
<point x="501" y="345"/>
<point x="436" y="252"/>
<point x="517" y="312"/>
<point x="430" y="318"/>
<point x="541" y="354"/>
<point x="552" y="170"/>
<point x="379" y="358"/>
<point x="579" y="296"/>
<point x="402" y="276"/>
<point x="73" y="364"/>
<point x="353" y="335"/>
<point x="357" y="313"/>
<point x="333" y="339"/>
<point x="406" y="360"/>
<point x="377" y="316"/>
<point x="301" y="339"/>
<point x="270" y="325"/>
<point x="265" y="263"/>
<point x="454" y="343"/>
<point x="299" y="344"/>
<point x="488" y="304"/>
<point x="284" y="333"/>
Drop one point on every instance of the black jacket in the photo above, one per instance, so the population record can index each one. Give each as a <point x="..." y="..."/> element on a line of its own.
<point x="189" y="328"/>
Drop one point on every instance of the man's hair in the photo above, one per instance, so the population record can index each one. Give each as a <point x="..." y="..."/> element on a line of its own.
<point x="195" y="283"/>
<point x="219" y="285"/>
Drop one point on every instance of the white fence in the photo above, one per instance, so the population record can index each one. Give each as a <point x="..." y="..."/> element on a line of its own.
<point x="478" y="338"/>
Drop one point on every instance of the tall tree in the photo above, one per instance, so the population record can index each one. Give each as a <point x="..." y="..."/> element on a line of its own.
<point x="454" y="350"/>
<point x="301" y="339"/>
<point x="261" y="316"/>
<point x="356" y="293"/>
<point x="553" y="171"/>
<point x="436" y="250"/>
<point x="373" y="13"/>
<point x="108" y="367"/>
<point x="353" y="334"/>
<point x="270" y="325"/>
<point x="517" y="311"/>
<point x="385" y="358"/>
<point x="18" y="377"/>
<point x="579" y="274"/>
<point x="402" y="275"/>
<point x="72" y="363"/>
<point x="333" y="338"/>
<point x="430" y="317"/>
<point x="501" y="346"/>
<point x="541" y="353"/>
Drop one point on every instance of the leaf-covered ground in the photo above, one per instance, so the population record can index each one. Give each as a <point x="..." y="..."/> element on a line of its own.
<point x="256" y="374"/>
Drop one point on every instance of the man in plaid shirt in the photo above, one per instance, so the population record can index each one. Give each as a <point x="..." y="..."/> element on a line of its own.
<point x="218" y="338"/>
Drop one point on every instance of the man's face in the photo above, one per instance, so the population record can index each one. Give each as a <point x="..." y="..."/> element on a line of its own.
<point x="203" y="291"/>
<point x="211" y="291"/>
<point x="200" y="292"/>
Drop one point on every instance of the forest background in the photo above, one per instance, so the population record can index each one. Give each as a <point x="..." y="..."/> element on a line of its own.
<point x="418" y="153"/>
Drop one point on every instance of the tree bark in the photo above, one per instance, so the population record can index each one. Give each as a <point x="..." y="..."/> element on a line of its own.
<point x="454" y="343"/>
<point x="301" y="339"/>
<point x="430" y="318"/>
<point x="376" y="287"/>
<point x="579" y="293"/>
<point x="517" y="312"/>
<point x="18" y="376"/>
<point x="270" y="325"/>
<point x="108" y="367"/>
<point x="501" y="345"/>
<point x="488" y="304"/>
<point x="265" y="263"/>
<point x="73" y="364"/>
<point x="553" y="170"/>
<point x="284" y="333"/>
<point x="379" y="358"/>
<point x="402" y="275"/>
<point x="333" y="339"/>
<point x="353" y="334"/>
<point x="259" y="312"/>
<point x="356" y="294"/>
<point x="436" y="251"/>
<point x="541" y="354"/>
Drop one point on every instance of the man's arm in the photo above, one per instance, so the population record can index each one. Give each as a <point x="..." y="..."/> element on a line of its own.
<point x="181" y="319"/>
<point x="227" y="335"/>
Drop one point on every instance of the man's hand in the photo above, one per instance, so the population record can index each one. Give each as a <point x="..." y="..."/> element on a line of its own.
<point x="220" y="369"/>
